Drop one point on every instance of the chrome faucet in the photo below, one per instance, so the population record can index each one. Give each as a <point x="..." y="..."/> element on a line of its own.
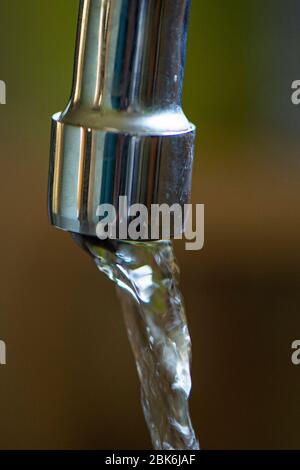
<point x="123" y="132"/>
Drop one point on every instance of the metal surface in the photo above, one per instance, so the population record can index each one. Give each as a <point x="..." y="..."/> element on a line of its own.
<point x="123" y="132"/>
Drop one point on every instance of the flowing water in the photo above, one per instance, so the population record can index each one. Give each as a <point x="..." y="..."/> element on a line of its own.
<point x="146" y="277"/>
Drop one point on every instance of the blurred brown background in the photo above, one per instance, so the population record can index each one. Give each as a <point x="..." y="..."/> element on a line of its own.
<point x="70" y="380"/>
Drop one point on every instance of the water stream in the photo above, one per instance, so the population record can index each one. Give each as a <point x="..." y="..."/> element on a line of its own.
<point x="146" y="275"/>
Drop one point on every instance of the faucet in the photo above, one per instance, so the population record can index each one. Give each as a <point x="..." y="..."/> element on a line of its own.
<point x="123" y="132"/>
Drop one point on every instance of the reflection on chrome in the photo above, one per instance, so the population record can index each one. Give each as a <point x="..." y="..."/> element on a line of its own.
<point x="123" y="132"/>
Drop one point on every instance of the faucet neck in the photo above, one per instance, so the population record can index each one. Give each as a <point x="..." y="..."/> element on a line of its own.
<point x="130" y="54"/>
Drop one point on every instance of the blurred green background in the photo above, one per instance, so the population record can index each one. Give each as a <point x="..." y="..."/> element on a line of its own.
<point x="70" y="380"/>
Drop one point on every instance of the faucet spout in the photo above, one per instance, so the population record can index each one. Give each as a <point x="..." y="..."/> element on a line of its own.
<point x="123" y="132"/>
